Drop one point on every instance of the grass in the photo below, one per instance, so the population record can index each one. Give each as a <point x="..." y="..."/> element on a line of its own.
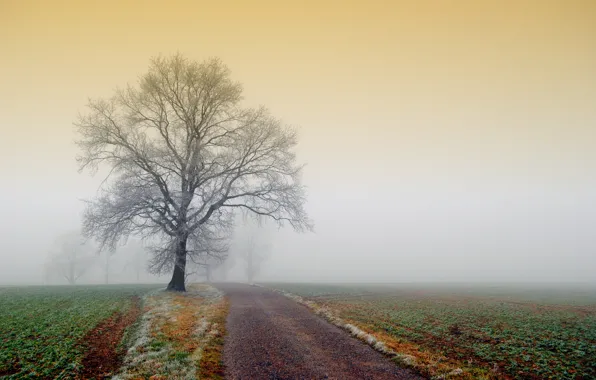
<point x="41" y="327"/>
<point x="480" y="331"/>
<point x="180" y="336"/>
<point x="211" y="363"/>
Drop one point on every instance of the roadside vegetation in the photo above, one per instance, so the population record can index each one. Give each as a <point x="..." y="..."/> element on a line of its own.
<point x="180" y="336"/>
<point x="484" y="332"/>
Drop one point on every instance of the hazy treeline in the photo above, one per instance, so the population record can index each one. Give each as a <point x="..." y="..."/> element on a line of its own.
<point x="72" y="259"/>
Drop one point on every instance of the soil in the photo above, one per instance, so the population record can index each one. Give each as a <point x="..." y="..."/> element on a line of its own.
<point x="12" y="369"/>
<point x="273" y="337"/>
<point x="102" y="357"/>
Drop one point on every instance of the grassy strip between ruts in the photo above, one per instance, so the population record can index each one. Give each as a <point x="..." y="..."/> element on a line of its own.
<point x="180" y="336"/>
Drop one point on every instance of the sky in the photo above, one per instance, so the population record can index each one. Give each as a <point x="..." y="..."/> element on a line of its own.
<point x="445" y="140"/>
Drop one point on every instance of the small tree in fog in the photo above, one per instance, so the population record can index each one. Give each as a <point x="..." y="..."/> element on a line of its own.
<point x="222" y="269"/>
<point x="137" y="258"/>
<point x="106" y="266"/>
<point x="182" y="155"/>
<point x="211" y="264"/>
<point x="253" y="246"/>
<point x="254" y="256"/>
<point x="71" y="257"/>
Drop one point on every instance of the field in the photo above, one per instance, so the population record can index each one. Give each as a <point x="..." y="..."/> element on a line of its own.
<point x="138" y="331"/>
<point x="47" y="332"/>
<point x="485" y="331"/>
<point x="119" y="331"/>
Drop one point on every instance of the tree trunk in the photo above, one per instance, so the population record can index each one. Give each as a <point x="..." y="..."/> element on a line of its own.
<point x="107" y="269"/>
<point x="177" y="282"/>
<point x="71" y="273"/>
<point x="208" y="273"/>
<point x="249" y="272"/>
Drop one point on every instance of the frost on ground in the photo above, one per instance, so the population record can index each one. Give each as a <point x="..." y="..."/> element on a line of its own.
<point x="405" y="360"/>
<point x="173" y="333"/>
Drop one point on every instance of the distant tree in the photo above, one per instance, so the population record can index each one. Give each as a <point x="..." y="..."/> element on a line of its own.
<point x="134" y="259"/>
<point x="201" y="270"/>
<point x="182" y="156"/>
<point x="225" y="266"/>
<point x="254" y="256"/>
<point x="137" y="258"/>
<point x="70" y="257"/>
<point x="212" y="264"/>
<point x="47" y="272"/>
<point x="106" y="266"/>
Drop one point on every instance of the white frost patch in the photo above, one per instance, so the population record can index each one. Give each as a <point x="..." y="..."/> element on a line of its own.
<point x="206" y="291"/>
<point x="202" y="327"/>
<point x="147" y="355"/>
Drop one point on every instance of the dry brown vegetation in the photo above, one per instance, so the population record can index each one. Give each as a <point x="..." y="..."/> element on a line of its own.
<point x="180" y="337"/>
<point x="211" y="364"/>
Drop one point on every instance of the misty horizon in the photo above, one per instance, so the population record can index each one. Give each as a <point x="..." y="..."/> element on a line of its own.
<point x="442" y="143"/>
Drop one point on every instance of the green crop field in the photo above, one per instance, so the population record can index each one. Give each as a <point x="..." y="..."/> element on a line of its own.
<point x="495" y="331"/>
<point x="41" y="328"/>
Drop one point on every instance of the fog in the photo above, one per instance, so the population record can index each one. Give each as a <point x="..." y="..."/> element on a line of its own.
<point x="453" y="143"/>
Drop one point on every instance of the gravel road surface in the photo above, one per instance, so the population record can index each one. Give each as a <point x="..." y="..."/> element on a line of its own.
<point x="272" y="337"/>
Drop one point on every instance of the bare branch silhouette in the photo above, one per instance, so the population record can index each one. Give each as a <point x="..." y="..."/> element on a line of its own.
<point x="183" y="156"/>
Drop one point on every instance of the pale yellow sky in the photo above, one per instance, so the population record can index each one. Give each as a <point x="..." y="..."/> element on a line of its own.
<point x="389" y="95"/>
<point x="392" y="80"/>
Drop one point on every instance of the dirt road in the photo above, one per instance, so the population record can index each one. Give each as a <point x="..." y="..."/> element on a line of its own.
<point x="272" y="337"/>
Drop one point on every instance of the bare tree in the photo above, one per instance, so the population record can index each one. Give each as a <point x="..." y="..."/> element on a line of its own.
<point x="48" y="268"/>
<point x="255" y="254"/>
<point x="183" y="155"/>
<point x="204" y="269"/>
<point x="207" y="245"/>
<point x="71" y="257"/>
<point x="210" y="251"/>
<point x="211" y="264"/>
<point x="222" y="269"/>
<point x="106" y="266"/>
<point x="137" y="258"/>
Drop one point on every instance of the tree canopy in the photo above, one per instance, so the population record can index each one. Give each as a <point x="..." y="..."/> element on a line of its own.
<point x="183" y="155"/>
